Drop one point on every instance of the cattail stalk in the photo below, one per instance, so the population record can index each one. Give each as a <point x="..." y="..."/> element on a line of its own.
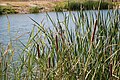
<point x="93" y="35"/>
<point x="110" y="71"/>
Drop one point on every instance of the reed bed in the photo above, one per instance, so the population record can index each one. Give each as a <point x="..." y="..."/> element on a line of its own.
<point x="89" y="51"/>
<point x="86" y="5"/>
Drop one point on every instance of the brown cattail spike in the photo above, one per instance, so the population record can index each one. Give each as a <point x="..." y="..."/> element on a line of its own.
<point x="92" y="37"/>
<point x="38" y="50"/>
<point x="56" y="38"/>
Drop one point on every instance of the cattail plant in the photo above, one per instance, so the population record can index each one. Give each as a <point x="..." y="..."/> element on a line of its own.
<point x="89" y="49"/>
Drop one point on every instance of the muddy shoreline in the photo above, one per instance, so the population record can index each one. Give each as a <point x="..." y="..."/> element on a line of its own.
<point x="24" y="7"/>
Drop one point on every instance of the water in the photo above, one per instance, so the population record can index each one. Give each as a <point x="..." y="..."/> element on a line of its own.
<point x="21" y="24"/>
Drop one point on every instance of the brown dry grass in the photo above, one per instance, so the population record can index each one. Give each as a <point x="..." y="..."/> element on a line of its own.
<point x="26" y="3"/>
<point x="23" y="7"/>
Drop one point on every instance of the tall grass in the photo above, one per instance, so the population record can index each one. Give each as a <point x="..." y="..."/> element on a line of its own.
<point x="90" y="51"/>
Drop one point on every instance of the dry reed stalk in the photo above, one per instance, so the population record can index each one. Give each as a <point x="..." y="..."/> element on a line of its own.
<point x="49" y="62"/>
<point x="110" y="62"/>
<point x="22" y="35"/>
<point x="6" y="51"/>
<point x="62" y="36"/>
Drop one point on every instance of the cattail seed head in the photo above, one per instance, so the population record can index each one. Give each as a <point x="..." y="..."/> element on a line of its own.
<point x="93" y="34"/>
<point x="38" y="50"/>
<point x="56" y="38"/>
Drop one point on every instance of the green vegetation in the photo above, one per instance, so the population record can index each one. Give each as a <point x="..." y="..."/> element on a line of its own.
<point x="90" y="52"/>
<point x="57" y="6"/>
<point x="95" y="4"/>
<point x="6" y="10"/>
<point x="87" y="5"/>
<point x="0" y="10"/>
<point x="34" y="10"/>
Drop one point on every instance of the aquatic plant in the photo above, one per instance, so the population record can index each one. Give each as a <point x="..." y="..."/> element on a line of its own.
<point x="34" y="10"/>
<point x="88" y="51"/>
<point x="7" y="10"/>
<point x="86" y="5"/>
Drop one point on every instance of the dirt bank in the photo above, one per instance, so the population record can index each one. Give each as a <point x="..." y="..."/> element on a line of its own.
<point x="23" y="7"/>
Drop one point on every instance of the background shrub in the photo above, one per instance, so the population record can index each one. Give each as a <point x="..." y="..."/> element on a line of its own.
<point x="87" y="5"/>
<point x="74" y="5"/>
<point x="0" y="10"/>
<point x="58" y="8"/>
<point x="34" y="10"/>
<point x="106" y="5"/>
<point x="61" y="6"/>
<point x="90" y="5"/>
<point x="7" y="10"/>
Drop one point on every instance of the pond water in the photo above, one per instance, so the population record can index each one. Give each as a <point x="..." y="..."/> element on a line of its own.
<point x="21" y="24"/>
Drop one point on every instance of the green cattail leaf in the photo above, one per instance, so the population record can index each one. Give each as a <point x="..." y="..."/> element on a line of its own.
<point x="8" y="24"/>
<point x="9" y="27"/>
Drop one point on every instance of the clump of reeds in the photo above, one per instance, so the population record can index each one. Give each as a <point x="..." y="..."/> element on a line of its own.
<point x="90" y="51"/>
